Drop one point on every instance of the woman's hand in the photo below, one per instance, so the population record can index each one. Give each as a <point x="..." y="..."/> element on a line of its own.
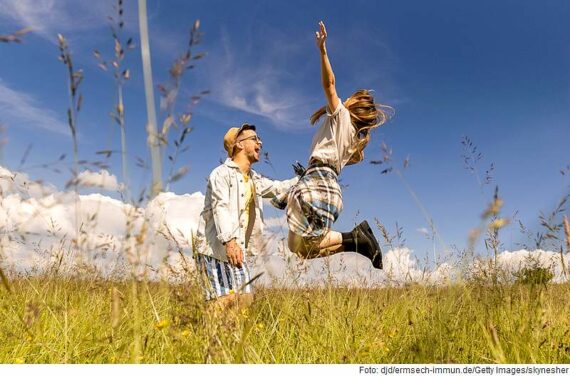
<point x="321" y="37"/>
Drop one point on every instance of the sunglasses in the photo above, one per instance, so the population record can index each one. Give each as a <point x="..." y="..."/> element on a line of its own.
<point x="254" y="138"/>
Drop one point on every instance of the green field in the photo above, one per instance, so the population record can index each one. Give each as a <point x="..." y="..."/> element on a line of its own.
<point x="55" y="320"/>
<point x="488" y="317"/>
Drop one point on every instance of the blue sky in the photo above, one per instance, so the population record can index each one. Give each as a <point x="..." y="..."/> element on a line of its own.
<point x="497" y="72"/>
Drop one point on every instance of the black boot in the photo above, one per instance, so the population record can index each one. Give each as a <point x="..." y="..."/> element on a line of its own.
<point x="366" y="244"/>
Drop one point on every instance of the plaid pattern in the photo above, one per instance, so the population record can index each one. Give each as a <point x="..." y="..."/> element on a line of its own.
<point x="315" y="202"/>
<point x="220" y="278"/>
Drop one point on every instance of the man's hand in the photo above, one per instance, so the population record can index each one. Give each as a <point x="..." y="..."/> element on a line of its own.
<point x="299" y="168"/>
<point x="321" y="37"/>
<point x="234" y="253"/>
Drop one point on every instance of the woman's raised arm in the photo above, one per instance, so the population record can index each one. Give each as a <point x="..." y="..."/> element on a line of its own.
<point x="327" y="75"/>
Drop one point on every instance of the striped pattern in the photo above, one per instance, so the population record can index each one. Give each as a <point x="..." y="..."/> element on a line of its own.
<point x="220" y="278"/>
<point x="315" y="202"/>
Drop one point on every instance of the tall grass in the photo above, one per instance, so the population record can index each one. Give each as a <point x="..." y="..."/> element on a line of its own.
<point x="120" y="75"/>
<point x="49" y="320"/>
<point x="55" y="318"/>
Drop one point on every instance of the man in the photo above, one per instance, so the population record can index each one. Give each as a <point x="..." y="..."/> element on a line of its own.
<point x="231" y="224"/>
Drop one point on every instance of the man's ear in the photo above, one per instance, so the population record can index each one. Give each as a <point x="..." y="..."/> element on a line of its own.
<point x="237" y="147"/>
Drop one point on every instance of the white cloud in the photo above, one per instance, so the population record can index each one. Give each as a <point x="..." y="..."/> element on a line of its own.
<point x="49" y="17"/>
<point x="21" y="108"/>
<point x="38" y="232"/>
<point x="20" y="183"/>
<point x="100" y="179"/>
<point x="38" y="229"/>
<point x="400" y="267"/>
<point x="509" y="263"/>
<point x="176" y="216"/>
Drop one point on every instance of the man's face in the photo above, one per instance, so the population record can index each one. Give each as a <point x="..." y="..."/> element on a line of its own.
<point x="250" y="144"/>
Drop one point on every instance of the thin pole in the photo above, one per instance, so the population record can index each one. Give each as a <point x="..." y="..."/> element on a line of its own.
<point x="152" y="140"/>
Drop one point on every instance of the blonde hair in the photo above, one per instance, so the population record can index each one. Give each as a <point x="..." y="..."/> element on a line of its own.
<point x="365" y="115"/>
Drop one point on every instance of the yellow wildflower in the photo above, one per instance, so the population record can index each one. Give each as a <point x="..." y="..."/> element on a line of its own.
<point x="498" y="223"/>
<point x="493" y="208"/>
<point x="162" y="324"/>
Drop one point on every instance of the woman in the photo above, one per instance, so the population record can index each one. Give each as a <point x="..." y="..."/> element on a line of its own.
<point x="315" y="202"/>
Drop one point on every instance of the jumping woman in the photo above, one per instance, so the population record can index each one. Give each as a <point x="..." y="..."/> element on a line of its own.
<point x="315" y="202"/>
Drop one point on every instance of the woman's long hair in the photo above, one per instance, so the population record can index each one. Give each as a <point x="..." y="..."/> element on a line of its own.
<point x="364" y="115"/>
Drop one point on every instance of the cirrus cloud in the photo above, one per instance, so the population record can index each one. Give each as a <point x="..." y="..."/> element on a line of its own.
<point x="21" y="108"/>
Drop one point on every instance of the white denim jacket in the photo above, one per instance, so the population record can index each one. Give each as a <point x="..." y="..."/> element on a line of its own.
<point x="224" y="202"/>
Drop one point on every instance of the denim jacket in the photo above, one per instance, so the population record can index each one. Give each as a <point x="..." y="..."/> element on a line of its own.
<point x="223" y="204"/>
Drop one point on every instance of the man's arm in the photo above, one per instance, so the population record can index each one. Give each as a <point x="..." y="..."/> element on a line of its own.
<point x="327" y="75"/>
<point x="271" y="188"/>
<point x="226" y="230"/>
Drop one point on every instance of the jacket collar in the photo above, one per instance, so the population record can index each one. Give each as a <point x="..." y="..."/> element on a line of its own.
<point x="228" y="162"/>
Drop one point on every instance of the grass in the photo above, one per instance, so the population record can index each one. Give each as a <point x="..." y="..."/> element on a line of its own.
<point x="54" y="320"/>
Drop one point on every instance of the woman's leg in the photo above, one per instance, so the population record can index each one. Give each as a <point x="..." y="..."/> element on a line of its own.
<point x="360" y="240"/>
<point x="323" y="246"/>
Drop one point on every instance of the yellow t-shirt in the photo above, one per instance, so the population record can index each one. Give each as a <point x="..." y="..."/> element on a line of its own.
<point x="249" y="209"/>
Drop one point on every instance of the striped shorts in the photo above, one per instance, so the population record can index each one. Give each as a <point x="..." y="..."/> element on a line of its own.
<point x="220" y="278"/>
<point x="314" y="203"/>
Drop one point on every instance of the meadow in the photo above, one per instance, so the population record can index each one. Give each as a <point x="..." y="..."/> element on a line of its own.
<point x="59" y="320"/>
<point x="84" y="318"/>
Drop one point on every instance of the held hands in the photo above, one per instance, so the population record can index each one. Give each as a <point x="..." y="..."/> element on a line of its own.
<point x="299" y="168"/>
<point x="234" y="253"/>
<point x="321" y="37"/>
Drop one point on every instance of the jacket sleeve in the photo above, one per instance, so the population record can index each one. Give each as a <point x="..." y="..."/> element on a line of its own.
<point x="268" y="188"/>
<point x="221" y="185"/>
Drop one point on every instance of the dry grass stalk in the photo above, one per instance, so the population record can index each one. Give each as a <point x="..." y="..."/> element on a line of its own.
<point x="388" y="165"/>
<point x="121" y="76"/>
<point x="567" y="232"/>
<point x="75" y="77"/>
<point x="491" y="213"/>
<point x="5" y="281"/>
<point x="115" y="308"/>
<point x="471" y="157"/>
<point x="493" y="342"/>
<point x="15" y="37"/>
<point x="169" y="95"/>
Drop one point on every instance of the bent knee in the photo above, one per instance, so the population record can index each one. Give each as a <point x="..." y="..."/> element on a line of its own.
<point x="303" y="247"/>
<point x="294" y="242"/>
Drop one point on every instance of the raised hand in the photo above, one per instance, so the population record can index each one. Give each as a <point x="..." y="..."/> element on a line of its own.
<point x="321" y="36"/>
